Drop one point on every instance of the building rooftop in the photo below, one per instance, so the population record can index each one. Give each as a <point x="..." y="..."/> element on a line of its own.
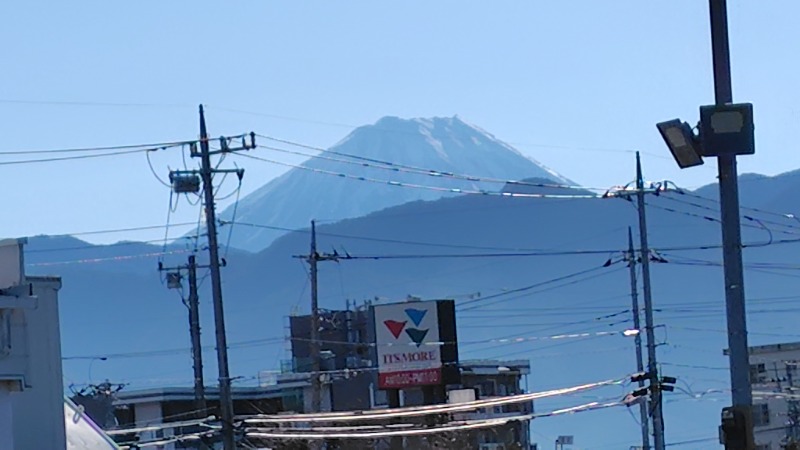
<point x="495" y="366"/>
<point x="771" y="348"/>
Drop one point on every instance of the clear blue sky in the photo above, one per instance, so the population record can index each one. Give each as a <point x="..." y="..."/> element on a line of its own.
<point x="562" y="81"/>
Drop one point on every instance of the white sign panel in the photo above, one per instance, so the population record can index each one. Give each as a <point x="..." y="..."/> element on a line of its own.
<point x="408" y="347"/>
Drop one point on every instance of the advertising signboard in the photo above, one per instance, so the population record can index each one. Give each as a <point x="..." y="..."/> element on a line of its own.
<point x="410" y="346"/>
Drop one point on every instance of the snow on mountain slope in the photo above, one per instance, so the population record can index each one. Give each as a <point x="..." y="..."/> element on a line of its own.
<point x="440" y="144"/>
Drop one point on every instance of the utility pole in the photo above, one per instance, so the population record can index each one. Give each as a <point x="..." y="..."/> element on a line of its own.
<point x="316" y="388"/>
<point x="638" y="341"/>
<point x="225" y="400"/>
<point x="312" y="259"/>
<point x="193" y="304"/>
<point x="197" y="349"/>
<point x="652" y="364"/>
<point x="188" y="181"/>
<point x="731" y="227"/>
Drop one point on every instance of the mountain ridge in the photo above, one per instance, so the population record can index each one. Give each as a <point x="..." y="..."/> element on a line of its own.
<point x="379" y="156"/>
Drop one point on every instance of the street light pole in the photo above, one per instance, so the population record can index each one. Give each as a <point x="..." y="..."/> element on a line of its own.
<point x="729" y="213"/>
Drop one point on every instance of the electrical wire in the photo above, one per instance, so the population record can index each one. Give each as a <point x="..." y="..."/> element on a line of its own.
<point x="792" y="225"/>
<point x="414" y="169"/>
<point x="385" y="240"/>
<point x="160" y="426"/>
<point x="450" y="427"/>
<point x="122" y="230"/>
<point x="233" y="219"/>
<point x="469" y="304"/>
<point x="71" y="158"/>
<point x="416" y="411"/>
<point x="140" y="147"/>
<point x="421" y="186"/>
<point x="106" y="259"/>
<point x="396" y="167"/>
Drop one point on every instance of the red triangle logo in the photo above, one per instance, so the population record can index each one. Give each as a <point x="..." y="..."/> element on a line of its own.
<point x="395" y="327"/>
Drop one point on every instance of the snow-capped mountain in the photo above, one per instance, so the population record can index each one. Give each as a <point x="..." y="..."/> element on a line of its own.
<point x="349" y="179"/>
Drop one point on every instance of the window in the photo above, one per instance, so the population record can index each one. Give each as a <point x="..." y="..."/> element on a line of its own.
<point x="760" y="415"/>
<point x="758" y="373"/>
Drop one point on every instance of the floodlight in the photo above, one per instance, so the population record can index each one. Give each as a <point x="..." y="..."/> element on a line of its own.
<point x="681" y="142"/>
<point x="727" y="129"/>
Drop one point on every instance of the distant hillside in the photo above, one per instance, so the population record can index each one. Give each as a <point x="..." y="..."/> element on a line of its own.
<point x="440" y="144"/>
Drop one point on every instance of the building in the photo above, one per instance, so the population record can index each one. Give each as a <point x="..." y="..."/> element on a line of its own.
<point x="493" y="378"/>
<point x="350" y="375"/>
<point x="776" y="395"/>
<point x="350" y="382"/>
<point x="31" y="386"/>
<point x="159" y="407"/>
<point x="347" y="358"/>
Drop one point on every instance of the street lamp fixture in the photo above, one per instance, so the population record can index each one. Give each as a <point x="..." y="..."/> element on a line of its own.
<point x="723" y="130"/>
<point x="682" y="143"/>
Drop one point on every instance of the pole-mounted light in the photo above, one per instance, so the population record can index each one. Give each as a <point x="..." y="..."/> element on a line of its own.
<point x="682" y="143"/>
<point x="723" y="130"/>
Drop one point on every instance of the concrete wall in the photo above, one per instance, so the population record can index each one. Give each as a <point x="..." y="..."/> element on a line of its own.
<point x="39" y="409"/>
<point x="151" y="414"/>
<point x="774" y="380"/>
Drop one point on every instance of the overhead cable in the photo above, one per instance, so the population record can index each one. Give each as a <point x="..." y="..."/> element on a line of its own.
<point x="416" y="411"/>
<point x="421" y="186"/>
<point x="396" y="167"/>
<point x="458" y="426"/>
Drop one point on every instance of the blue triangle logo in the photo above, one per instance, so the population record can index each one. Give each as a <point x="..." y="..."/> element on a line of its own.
<point x="416" y="315"/>
<point x="416" y="335"/>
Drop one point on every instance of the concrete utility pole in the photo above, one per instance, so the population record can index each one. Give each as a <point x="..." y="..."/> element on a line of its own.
<point x="192" y="303"/>
<point x="316" y="383"/>
<point x="197" y="349"/>
<point x="188" y="181"/>
<point x="312" y="259"/>
<point x="729" y="213"/>
<point x="225" y="400"/>
<point x="652" y="364"/>
<point x="644" y="417"/>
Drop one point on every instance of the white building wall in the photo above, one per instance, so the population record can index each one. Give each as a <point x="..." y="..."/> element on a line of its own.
<point x="6" y="417"/>
<point x="39" y="408"/>
<point x="148" y="414"/>
<point x="771" y="388"/>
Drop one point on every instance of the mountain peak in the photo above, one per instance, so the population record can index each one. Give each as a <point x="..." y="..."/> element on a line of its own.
<point x="408" y="160"/>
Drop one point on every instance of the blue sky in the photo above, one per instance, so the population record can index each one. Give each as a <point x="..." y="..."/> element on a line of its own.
<point x="575" y="85"/>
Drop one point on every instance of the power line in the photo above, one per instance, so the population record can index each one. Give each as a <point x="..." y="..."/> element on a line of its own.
<point x="71" y="158"/>
<point x="421" y="186"/>
<point x="465" y="306"/>
<point x="109" y="258"/>
<point x="139" y="147"/>
<point x="86" y="103"/>
<point x="416" y="411"/>
<point x="122" y="230"/>
<point x="404" y="168"/>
